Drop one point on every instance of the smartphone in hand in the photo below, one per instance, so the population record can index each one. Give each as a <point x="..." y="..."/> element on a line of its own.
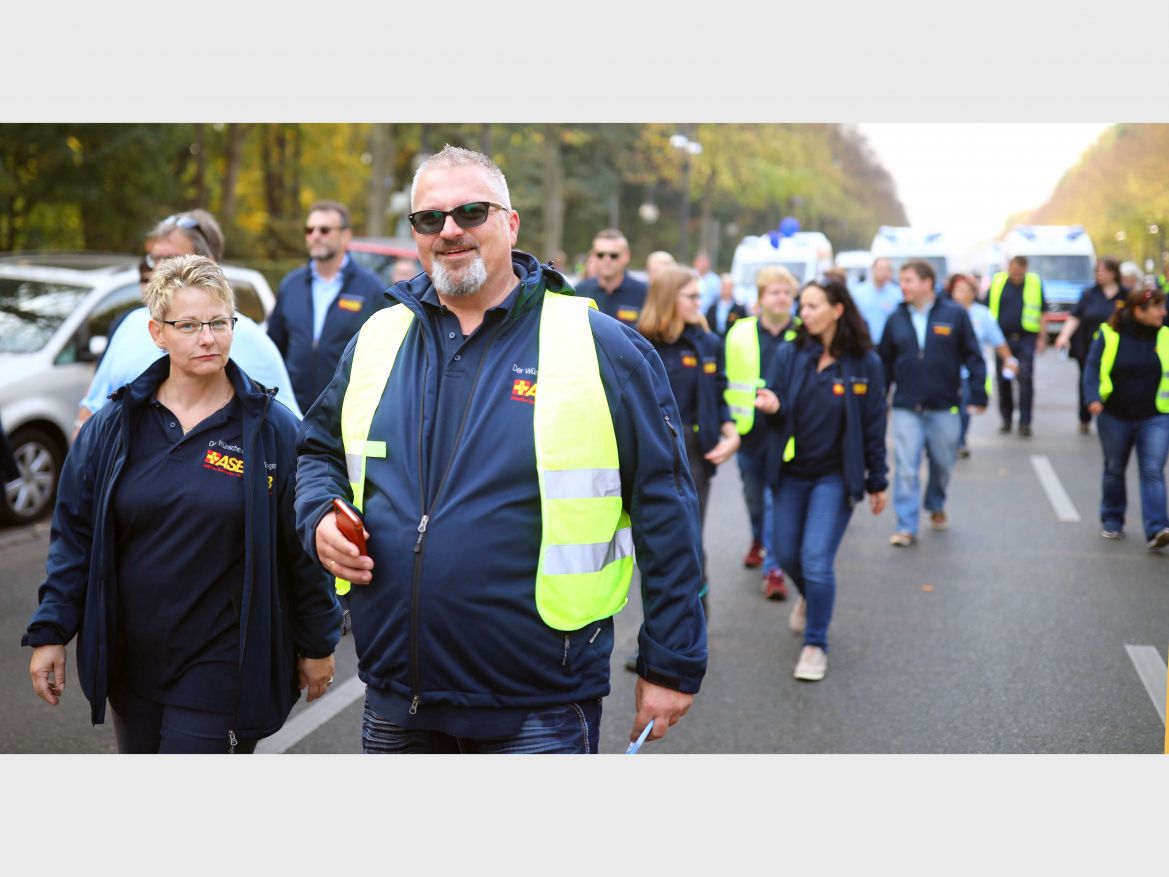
<point x="350" y="525"/>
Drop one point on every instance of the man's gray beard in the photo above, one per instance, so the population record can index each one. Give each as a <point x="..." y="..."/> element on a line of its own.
<point x="472" y="281"/>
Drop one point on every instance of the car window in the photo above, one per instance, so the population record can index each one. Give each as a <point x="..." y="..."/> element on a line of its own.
<point x="32" y="310"/>
<point x="113" y="305"/>
<point x="247" y="301"/>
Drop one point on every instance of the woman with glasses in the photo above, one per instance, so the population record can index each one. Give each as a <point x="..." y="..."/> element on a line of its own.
<point x="1126" y="385"/>
<point x="825" y="395"/>
<point x="174" y="556"/>
<point x="693" y="355"/>
<point x="1097" y="304"/>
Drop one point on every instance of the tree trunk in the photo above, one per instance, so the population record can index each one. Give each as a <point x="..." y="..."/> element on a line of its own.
<point x="485" y="139"/>
<point x="200" y="150"/>
<point x="236" y="134"/>
<point x="553" y="193"/>
<point x="381" y="176"/>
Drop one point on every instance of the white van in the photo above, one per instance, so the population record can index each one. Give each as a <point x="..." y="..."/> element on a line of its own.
<point x="1064" y="259"/>
<point x="806" y="254"/>
<point x="855" y="264"/>
<point x="900" y="244"/>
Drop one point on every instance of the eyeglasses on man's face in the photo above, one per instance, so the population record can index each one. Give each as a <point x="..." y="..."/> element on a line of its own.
<point x="219" y="326"/>
<point x="603" y="254"/>
<point x="322" y="230"/>
<point x="469" y="215"/>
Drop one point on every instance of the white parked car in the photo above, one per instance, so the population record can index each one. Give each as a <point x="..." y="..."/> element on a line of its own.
<point x="55" y="313"/>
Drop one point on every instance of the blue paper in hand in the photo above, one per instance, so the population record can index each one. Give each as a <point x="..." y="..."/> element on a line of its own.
<point x="636" y="744"/>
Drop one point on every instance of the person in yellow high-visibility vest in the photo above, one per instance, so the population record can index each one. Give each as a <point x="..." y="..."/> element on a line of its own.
<point x="1016" y="301"/>
<point x="509" y="447"/>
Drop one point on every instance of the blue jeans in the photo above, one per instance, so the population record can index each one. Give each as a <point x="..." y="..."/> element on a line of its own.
<point x="815" y="513"/>
<point x="1023" y="349"/>
<point x="937" y="432"/>
<point x="1117" y="438"/>
<point x="572" y="729"/>
<point x="759" y="502"/>
<point x="963" y="414"/>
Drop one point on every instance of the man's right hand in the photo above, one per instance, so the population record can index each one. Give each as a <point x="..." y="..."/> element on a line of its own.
<point x="47" y="669"/>
<point x="339" y="556"/>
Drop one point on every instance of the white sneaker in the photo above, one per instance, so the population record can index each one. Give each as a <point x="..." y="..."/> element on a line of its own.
<point x="1159" y="540"/>
<point x="813" y="664"/>
<point x="798" y="619"/>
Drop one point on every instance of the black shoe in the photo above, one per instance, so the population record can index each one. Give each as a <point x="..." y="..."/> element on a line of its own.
<point x="963" y="453"/>
<point x="1005" y="428"/>
<point x="1025" y="430"/>
<point x="631" y="664"/>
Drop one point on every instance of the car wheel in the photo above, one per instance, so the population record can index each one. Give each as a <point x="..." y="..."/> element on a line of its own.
<point x="38" y="457"/>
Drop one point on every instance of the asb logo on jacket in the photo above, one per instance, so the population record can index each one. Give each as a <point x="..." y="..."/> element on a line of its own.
<point x="227" y="464"/>
<point x="523" y="391"/>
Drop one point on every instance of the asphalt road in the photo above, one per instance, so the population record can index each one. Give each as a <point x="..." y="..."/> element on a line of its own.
<point x="1004" y="634"/>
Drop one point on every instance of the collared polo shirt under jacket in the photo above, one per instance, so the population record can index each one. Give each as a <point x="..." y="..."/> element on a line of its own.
<point x="178" y="512"/>
<point x="624" y="303"/>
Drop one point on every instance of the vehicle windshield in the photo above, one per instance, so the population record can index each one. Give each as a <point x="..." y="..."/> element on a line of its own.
<point x="32" y="310"/>
<point x="746" y="273"/>
<point x="1068" y="269"/>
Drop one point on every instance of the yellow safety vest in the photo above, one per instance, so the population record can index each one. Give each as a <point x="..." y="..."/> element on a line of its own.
<point x="1108" y="360"/>
<point x="1032" y="299"/>
<point x="744" y="369"/>
<point x="586" y="550"/>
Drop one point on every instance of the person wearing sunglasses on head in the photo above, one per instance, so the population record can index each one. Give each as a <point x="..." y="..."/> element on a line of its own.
<point x="507" y="445"/>
<point x="321" y="304"/>
<point x="1126" y="386"/>
<point x="615" y="291"/>
<point x="174" y="556"/>
<point x="130" y="351"/>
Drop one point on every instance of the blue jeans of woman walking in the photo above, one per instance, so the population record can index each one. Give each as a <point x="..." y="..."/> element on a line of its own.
<point x="1118" y="437"/>
<point x="814" y="513"/>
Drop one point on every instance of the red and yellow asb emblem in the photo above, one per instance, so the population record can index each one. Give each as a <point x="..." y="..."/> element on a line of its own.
<point x="523" y="391"/>
<point x="942" y="329"/>
<point x="709" y="367"/>
<point x="353" y="305"/>
<point x="689" y="361"/>
<point x="627" y="315"/>
<point x="860" y="389"/>
<point x="224" y="463"/>
<point x="837" y="388"/>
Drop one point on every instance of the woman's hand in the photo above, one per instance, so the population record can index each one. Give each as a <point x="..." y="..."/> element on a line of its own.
<point x="47" y="669"/>
<point x="766" y="401"/>
<point x="726" y="447"/>
<point x="316" y="674"/>
<point x="877" y="501"/>
<point x="1094" y="408"/>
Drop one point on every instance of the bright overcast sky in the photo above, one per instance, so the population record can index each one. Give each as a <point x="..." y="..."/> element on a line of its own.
<point x="967" y="178"/>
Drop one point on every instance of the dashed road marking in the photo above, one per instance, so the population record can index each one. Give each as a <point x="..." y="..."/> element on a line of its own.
<point x="312" y="717"/>
<point x="1065" y="509"/>
<point x="1153" y="674"/>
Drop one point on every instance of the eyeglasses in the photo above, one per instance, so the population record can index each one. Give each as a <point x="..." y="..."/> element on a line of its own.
<point x="470" y="215"/>
<point x="219" y="326"/>
<point x="613" y="256"/>
<point x="321" y="229"/>
<point x="694" y="296"/>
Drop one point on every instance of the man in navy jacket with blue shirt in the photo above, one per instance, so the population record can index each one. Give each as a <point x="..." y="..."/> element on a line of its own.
<point x="321" y="306"/>
<point x="925" y="343"/>
<point x="613" y="289"/>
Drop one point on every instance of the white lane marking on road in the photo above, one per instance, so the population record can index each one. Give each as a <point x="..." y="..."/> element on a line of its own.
<point x="312" y="717"/>
<point x="1153" y="674"/>
<point x="1065" y="509"/>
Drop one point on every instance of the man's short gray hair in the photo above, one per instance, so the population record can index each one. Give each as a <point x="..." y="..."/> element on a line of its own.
<point x="456" y="156"/>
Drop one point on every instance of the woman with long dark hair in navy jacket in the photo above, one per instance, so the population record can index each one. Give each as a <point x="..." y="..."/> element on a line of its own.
<point x="826" y="394"/>
<point x="693" y="355"/>
<point x="174" y="556"/>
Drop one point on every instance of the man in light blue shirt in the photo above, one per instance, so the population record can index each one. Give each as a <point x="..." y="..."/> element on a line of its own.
<point x="709" y="283"/>
<point x="877" y="297"/>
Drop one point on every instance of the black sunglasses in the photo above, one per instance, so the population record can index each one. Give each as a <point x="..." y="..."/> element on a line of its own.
<point x="468" y="215"/>
<point x="323" y="229"/>
<point x="607" y="255"/>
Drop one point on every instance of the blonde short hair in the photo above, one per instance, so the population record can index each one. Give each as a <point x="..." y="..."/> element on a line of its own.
<point x="770" y="274"/>
<point x="186" y="272"/>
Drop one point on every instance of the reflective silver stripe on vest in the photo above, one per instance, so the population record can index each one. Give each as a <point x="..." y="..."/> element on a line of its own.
<point x="568" y="559"/>
<point x="581" y="483"/>
<point x="741" y="411"/>
<point x="353" y="467"/>
<point x="742" y="388"/>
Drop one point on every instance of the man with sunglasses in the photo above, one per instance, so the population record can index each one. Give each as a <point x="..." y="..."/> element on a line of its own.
<point x="613" y="289"/>
<point x="322" y="304"/>
<point x="507" y="446"/>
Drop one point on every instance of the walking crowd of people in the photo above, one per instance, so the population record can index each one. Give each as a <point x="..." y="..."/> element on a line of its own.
<point x="465" y="470"/>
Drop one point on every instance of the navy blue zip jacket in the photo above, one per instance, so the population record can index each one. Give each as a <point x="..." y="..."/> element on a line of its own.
<point x="930" y="380"/>
<point x="450" y="616"/>
<point x="290" y="325"/>
<point x="865" y="469"/>
<point x="709" y="411"/>
<point x="1136" y="374"/>
<point x="287" y="603"/>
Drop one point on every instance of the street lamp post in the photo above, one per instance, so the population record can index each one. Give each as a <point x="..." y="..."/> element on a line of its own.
<point x="688" y="148"/>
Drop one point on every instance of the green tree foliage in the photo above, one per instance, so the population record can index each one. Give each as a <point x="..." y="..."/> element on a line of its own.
<point x="103" y="186"/>
<point x="1117" y="192"/>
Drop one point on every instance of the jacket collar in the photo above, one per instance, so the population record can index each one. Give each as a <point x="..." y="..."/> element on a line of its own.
<point x="253" y="395"/>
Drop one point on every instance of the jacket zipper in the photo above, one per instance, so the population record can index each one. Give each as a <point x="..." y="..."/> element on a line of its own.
<point x="677" y="461"/>
<point x="416" y="584"/>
